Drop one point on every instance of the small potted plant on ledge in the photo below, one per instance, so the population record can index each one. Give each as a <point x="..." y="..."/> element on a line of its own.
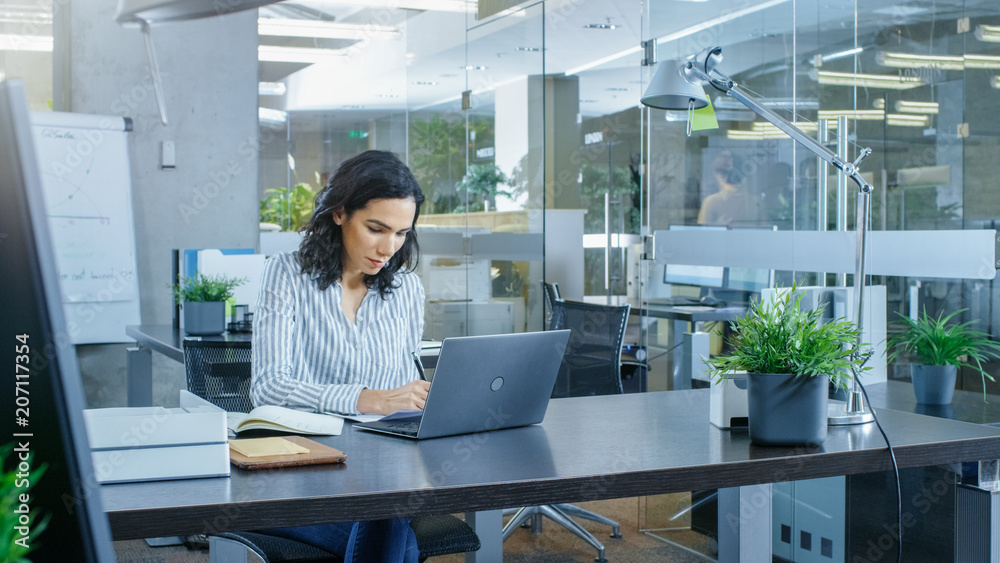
<point x="203" y="299"/>
<point x="940" y="347"/>
<point x="790" y="358"/>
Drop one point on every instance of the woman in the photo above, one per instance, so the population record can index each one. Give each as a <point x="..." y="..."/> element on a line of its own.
<point x="338" y="324"/>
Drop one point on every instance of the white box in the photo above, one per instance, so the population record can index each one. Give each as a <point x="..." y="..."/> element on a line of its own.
<point x="728" y="402"/>
<point x="156" y="443"/>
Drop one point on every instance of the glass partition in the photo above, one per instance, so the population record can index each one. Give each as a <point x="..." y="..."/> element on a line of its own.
<point x="914" y="82"/>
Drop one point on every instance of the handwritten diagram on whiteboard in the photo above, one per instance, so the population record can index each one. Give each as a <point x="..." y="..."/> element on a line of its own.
<point x="84" y="167"/>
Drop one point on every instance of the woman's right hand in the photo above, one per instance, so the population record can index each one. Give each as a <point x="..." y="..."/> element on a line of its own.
<point x="408" y="397"/>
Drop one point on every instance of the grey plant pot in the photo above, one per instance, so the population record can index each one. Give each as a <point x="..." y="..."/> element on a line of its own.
<point x="787" y="410"/>
<point x="205" y="318"/>
<point x="933" y="385"/>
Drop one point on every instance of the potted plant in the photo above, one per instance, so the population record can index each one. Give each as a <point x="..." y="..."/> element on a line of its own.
<point x="940" y="347"/>
<point x="790" y="358"/>
<point x="203" y="299"/>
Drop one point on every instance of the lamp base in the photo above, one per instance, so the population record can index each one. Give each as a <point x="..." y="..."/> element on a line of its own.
<point x="842" y="415"/>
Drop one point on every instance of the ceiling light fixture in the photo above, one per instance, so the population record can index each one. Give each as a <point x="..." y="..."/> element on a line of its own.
<point x="927" y="108"/>
<point x="800" y="104"/>
<point x="465" y="6"/>
<point x="271" y="88"/>
<point x="279" y="27"/>
<point x="269" y="115"/>
<point x="982" y="61"/>
<point x="886" y="81"/>
<point x="943" y="62"/>
<point x="840" y="55"/>
<point x="855" y="114"/>
<point x="34" y="43"/>
<point x="909" y="60"/>
<point x="281" y="54"/>
<point x="908" y="120"/>
<point x="687" y="31"/>
<point x="995" y="82"/>
<point x="988" y="33"/>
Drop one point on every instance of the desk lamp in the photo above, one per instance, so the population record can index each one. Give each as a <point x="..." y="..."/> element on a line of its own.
<point x="680" y="88"/>
<point x="143" y="13"/>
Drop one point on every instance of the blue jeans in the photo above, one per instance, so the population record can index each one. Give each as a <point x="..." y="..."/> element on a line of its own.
<point x="377" y="541"/>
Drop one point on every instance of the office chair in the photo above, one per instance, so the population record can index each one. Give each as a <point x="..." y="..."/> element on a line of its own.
<point x="219" y="372"/>
<point x="552" y="296"/>
<point x="591" y="366"/>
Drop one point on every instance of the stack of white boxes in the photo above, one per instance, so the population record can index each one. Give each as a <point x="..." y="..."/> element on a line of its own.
<point x="156" y="443"/>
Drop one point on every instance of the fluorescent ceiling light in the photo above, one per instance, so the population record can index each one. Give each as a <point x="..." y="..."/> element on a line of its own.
<point x="765" y="127"/>
<point x="858" y="115"/>
<point x="691" y="30"/>
<point x="12" y="42"/>
<point x="841" y="54"/>
<point x="982" y="61"/>
<point x="886" y="81"/>
<point x="278" y="54"/>
<point x="465" y="6"/>
<point x="995" y="82"/>
<point x="988" y="33"/>
<point x="271" y="89"/>
<point x="741" y="135"/>
<point x="943" y="62"/>
<point x="908" y="120"/>
<point x="906" y="106"/>
<point x="269" y="115"/>
<point x="726" y="102"/>
<point x="909" y="60"/>
<point x="323" y="29"/>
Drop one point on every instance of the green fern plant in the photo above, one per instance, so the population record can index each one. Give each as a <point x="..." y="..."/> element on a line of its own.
<point x="206" y="288"/>
<point x="289" y="208"/>
<point x="15" y="547"/>
<point x="937" y="341"/>
<point x="780" y="337"/>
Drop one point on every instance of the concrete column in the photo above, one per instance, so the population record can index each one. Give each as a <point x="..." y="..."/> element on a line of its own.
<point x="209" y="74"/>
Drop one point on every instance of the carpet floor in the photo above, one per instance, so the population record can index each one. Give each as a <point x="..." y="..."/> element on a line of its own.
<point x="554" y="545"/>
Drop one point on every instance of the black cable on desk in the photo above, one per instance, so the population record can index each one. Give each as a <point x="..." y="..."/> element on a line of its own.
<point x="895" y="471"/>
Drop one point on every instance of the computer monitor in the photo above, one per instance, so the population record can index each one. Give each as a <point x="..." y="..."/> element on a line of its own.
<point x="709" y="277"/>
<point x="43" y="388"/>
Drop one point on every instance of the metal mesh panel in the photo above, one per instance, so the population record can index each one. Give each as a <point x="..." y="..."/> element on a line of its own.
<point x="219" y="372"/>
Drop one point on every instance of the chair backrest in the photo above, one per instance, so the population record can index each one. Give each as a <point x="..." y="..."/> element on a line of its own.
<point x="592" y="363"/>
<point x="552" y="296"/>
<point x="219" y="372"/>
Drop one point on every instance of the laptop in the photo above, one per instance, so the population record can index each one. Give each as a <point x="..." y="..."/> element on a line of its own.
<point x="484" y="383"/>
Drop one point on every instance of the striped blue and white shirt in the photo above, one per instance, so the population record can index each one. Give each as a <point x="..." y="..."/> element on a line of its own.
<point x="306" y="354"/>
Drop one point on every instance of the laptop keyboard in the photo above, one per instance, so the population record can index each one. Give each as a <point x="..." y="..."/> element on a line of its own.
<point x="401" y="427"/>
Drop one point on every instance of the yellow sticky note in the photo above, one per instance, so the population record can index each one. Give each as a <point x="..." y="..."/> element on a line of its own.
<point x="259" y="447"/>
<point x="704" y="118"/>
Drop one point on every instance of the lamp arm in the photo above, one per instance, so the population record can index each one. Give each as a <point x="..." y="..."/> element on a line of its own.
<point x="848" y="168"/>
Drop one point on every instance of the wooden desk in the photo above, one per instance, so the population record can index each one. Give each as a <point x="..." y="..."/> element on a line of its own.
<point x="588" y="448"/>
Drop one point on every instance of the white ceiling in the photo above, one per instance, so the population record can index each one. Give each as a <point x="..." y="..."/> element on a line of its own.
<point x="423" y="65"/>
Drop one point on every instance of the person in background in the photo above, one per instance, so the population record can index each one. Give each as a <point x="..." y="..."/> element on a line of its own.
<point x="338" y="325"/>
<point x="731" y="205"/>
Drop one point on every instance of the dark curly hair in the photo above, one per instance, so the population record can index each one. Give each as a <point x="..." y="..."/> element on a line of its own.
<point x="358" y="180"/>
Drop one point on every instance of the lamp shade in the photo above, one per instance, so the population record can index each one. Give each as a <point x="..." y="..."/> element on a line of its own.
<point x="163" y="11"/>
<point x="670" y="90"/>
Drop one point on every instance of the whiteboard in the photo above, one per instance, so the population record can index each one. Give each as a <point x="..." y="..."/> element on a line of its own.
<point x="84" y="166"/>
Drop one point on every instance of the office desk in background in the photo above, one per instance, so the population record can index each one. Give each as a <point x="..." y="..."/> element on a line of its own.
<point x="587" y="448"/>
<point x="169" y="341"/>
<point x="686" y="322"/>
<point x="166" y="340"/>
